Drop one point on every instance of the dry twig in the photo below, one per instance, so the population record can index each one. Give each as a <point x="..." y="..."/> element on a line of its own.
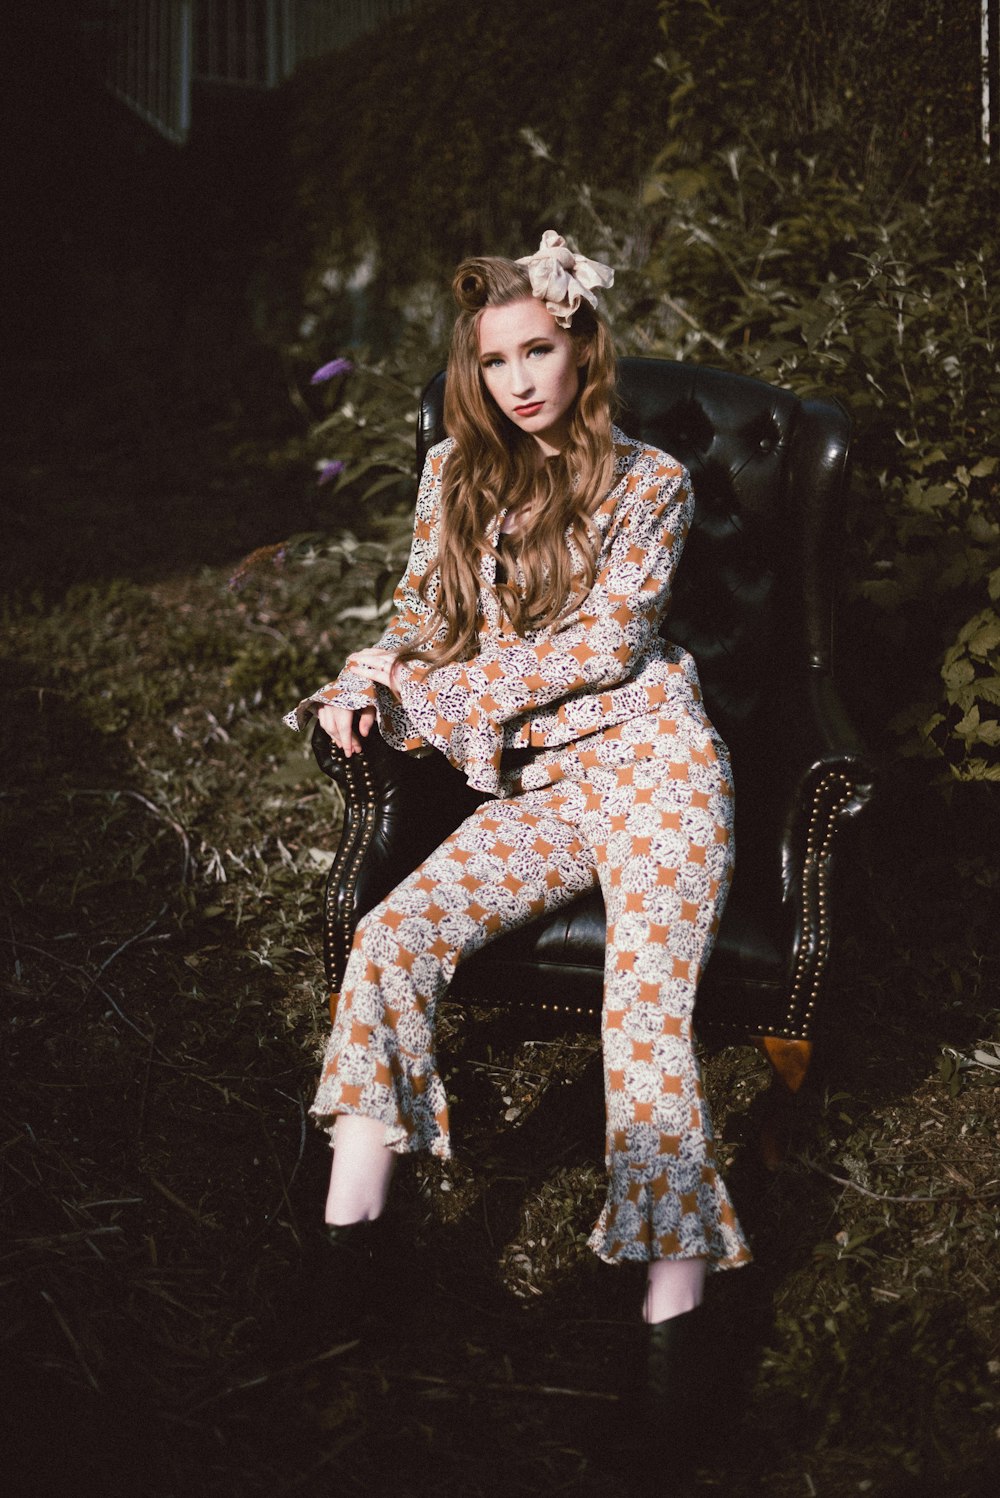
<point x="882" y="1196"/>
<point x="74" y="1344"/>
<point x="183" y="1206"/>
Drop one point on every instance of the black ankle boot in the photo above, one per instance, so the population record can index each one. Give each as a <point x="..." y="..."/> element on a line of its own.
<point x="355" y="1255"/>
<point x="349" y="1277"/>
<point x="679" y="1386"/>
<point x="335" y="1292"/>
<point x="358" y="1240"/>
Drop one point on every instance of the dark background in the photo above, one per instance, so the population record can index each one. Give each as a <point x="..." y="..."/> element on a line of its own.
<point x="132" y="366"/>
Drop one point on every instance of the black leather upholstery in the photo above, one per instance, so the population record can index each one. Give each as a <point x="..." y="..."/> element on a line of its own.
<point x="753" y="602"/>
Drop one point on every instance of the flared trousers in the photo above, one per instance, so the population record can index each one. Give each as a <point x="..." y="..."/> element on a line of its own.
<point x="645" y="809"/>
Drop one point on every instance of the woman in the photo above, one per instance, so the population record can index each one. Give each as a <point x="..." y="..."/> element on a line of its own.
<point x="525" y="647"/>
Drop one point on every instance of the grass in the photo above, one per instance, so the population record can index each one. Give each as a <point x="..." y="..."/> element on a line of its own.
<point x="164" y="840"/>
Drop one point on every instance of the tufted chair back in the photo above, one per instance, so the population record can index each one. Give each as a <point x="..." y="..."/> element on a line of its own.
<point x="752" y="600"/>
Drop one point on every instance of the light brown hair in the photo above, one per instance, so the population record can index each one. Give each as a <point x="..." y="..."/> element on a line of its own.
<point x="495" y="465"/>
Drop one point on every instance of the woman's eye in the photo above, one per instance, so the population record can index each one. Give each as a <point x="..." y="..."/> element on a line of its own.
<point x="540" y="348"/>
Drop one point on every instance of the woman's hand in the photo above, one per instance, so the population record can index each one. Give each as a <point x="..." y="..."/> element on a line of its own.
<point x="338" y="722"/>
<point x="378" y="665"/>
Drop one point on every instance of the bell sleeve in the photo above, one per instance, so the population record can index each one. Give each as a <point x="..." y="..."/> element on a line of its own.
<point x="410" y="610"/>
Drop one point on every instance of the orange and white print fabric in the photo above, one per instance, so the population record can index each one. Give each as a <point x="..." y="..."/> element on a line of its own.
<point x="644" y="808"/>
<point x="602" y="663"/>
<point x="630" y="788"/>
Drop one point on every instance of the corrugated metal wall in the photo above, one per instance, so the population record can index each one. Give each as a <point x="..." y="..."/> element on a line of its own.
<point x="242" y="42"/>
<point x="156" y="49"/>
<point x="149" y="57"/>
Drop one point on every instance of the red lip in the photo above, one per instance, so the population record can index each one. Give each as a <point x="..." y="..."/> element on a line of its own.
<point x="528" y="410"/>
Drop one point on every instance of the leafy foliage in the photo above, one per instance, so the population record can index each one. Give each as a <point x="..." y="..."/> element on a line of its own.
<point x="406" y="151"/>
<point x="837" y="235"/>
<point x="885" y="88"/>
<point x="825" y="225"/>
<point x="904" y="333"/>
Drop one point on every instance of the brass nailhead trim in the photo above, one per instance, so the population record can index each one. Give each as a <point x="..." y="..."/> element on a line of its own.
<point x="813" y="958"/>
<point x="360" y="810"/>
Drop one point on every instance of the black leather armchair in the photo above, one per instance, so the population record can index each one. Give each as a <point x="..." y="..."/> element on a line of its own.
<point x="753" y="602"/>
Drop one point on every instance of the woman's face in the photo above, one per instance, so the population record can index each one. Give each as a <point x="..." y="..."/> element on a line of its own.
<point x="531" y="367"/>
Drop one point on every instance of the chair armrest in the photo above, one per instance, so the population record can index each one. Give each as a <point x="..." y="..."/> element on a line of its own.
<point x="397" y="809"/>
<point x="794" y="802"/>
<point x="816" y="745"/>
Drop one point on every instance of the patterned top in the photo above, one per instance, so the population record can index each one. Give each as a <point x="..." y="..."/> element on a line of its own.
<point x="602" y="664"/>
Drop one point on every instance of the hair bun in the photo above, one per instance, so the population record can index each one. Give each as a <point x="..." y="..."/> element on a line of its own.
<point x="470" y="286"/>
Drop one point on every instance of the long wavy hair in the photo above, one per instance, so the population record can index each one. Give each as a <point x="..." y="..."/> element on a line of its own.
<point x="495" y="465"/>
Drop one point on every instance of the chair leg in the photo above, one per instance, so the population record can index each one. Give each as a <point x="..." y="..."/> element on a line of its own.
<point x="789" y="1058"/>
<point x="790" y="1062"/>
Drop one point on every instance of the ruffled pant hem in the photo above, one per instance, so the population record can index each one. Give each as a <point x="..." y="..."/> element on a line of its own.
<point x="402" y="1140"/>
<point x="730" y="1253"/>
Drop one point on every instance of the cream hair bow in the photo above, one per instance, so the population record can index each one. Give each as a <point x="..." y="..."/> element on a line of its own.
<point x="562" y="279"/>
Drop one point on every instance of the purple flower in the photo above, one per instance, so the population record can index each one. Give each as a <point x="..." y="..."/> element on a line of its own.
<point x="329" y="471"/>
<point x="331" y="370"/>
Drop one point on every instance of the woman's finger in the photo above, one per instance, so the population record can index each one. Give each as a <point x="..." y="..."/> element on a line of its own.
<point x="376" y="665"/>
<point x="338" y="722"/>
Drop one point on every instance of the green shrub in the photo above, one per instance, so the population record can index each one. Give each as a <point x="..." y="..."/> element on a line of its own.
<point x="766" y="241"/>
<point x="821" y="219"/>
